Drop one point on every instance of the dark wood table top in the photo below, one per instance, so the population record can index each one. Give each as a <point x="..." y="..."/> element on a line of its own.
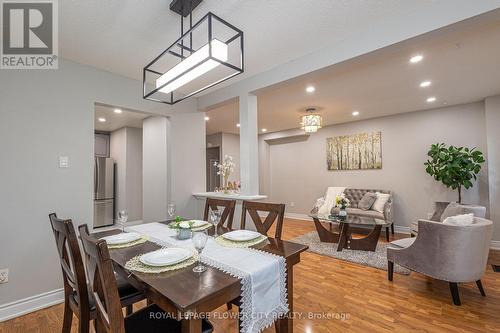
<point x="186" y="290"/>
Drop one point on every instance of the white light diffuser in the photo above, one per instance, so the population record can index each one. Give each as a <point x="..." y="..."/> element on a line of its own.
<point x="193" y="66"/>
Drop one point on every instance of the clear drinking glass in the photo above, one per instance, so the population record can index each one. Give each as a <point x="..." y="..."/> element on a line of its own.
<point x="122" y="219"/>
<point x="214" y="218"/>
<point x="171" y="210"/>
<point x="199" y="240"/>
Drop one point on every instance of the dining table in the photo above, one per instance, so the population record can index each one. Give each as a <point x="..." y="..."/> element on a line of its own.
<point x="193" y="294"/>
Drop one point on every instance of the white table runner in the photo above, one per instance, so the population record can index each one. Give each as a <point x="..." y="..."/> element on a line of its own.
<point x="262" y="274"/>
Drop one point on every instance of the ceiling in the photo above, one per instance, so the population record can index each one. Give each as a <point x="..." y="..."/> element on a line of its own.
<point x="129" y="33"/>
<point x="462" y="61"/>
<point x="114" y="121"/>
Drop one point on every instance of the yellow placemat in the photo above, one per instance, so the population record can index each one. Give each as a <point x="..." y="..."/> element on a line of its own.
<point x="141" y="240"/>
<point x="227" y="243"/>
<point x="136" y="265"/>
<point x="204" y="227"/>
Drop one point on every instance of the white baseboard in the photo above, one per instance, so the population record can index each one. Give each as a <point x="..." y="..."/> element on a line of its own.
<point x="495" y="245"/>
<point x="31" y="304"/>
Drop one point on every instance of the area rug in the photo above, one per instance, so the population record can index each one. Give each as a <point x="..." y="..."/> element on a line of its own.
<point x="377" y="259"/>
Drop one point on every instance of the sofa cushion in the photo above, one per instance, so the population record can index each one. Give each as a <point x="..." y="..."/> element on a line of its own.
<point x="367" y="201"/>
<point x="404" y="242"/>
<point x="356" y="194"/>
<point x="367" y="213"/>
<point x="464" y="219"/>
<point x="382" y="199"/>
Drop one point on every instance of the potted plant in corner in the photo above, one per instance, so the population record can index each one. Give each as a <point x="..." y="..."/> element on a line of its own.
<point x="455" y="167"/>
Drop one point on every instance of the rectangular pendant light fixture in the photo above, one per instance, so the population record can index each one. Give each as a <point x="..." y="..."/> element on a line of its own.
<point x="219" y="58"/>
<point x="193" y="66"/>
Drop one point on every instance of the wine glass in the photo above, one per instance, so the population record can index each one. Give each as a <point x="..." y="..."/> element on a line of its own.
<point x="171" y="210"/>
<point x="122" y="219"/>
<point x="199" y="240"/>
<point x="214" y="218"/>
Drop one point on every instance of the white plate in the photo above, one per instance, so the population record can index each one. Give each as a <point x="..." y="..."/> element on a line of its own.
<point x="198" y="223"/>
<point x="125" y="237"/>
<point x="166" y="257"/>
<point x="241" y="235"/>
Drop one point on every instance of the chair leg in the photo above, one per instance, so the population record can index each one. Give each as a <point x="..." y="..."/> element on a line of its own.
<point x="130" y="309"/>
<point x="387" y="234"/>
<point x="67" y="319"/>
<point x="229" y="306"/>
<point x="480" y="287"/>
<point x="390" y="270"/>
<point x="392" y="228"/>
<point x="454" y="293"/>
<point x="84" y="324"/>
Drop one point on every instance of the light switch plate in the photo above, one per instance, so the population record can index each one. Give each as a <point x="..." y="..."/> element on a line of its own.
<point x="4" y="275"/>
<point x="63" y="162"/>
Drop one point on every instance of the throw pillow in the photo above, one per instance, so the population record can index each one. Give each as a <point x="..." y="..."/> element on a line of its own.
<point x="331" y="194"/>
<point x="380" y="202"/>
<point x="367" y="201"/>
<point x="452" y="209"/>
<point x="464" y="219"/>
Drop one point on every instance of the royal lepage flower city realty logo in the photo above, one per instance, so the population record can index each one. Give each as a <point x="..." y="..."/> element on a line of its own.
<point x="29" y="34"/>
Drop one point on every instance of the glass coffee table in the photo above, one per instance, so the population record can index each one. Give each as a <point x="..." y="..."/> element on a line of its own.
<point x="344" y="236"/>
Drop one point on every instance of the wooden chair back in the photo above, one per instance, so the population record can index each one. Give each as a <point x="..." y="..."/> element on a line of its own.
<point x="276" y="213"/>
<point x="71" y="261"/>
<point x="103" y="283"/>
<point x="227" y="213"/>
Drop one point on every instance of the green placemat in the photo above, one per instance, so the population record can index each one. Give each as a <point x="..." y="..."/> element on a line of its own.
<point x="227" y="243"/>
<point x="136" y="265"/>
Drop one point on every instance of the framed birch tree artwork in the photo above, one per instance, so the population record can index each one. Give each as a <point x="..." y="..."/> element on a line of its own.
<point x="354" y="152"/>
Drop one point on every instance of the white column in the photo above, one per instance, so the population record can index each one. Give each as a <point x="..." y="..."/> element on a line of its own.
<point x="492" y="113"/>
<point x="249" y="145"/>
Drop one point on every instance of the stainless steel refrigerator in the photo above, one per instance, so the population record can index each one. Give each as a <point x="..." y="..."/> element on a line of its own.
<point x="104" y="192"/>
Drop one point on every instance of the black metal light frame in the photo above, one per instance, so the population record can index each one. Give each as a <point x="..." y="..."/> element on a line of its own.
<point x="180" y="43"/>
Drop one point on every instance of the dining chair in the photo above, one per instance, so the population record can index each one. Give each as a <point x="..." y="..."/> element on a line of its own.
<point x="77" y="298"/>
<point x="227" y="213"/>
<point x="104" y="290"/>
<point x="275" y="212"/>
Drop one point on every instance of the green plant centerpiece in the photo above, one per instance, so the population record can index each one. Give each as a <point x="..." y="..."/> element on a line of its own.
<point x="455" y="167"/>
<point x="182" y="226"/>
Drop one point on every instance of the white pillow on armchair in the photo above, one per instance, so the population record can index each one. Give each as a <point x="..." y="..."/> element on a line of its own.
<point x="330" y="196"/>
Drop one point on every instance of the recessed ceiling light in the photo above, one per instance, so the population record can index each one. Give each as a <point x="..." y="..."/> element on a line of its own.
<point x="102" y="120"/>
<point x="310" y="89"/>
<point x="424" y="84"/>
<point x="264" y="130"/>
<point x="416" y="58"/>
<point x="207" y="118"/>
<point x="238" y="125"/>
<point x="431" y="99"/>
<point x="118" y="111"/>
<point x="355" y="113"/>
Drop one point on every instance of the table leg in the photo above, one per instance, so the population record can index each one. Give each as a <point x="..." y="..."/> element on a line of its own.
<point x="285" y="325"/>
<point x="324" y="234"/>
<point x="191" y="326"/>
<point x="344" y="236"/>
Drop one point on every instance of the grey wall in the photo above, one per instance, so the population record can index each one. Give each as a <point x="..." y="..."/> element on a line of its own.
<point x="492" y="109"/>
<point x="230" y="145"/>
<point x="134" y="173"/>
<point x="296" y="172"/>
<point x="155" y="179"/>
<point x="118" y="152"/>
<point x="126" y="150"/>
<point x="45" y="114"/>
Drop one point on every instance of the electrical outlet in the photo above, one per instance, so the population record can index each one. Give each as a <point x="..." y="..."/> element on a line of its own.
<point x="4" y="275"/>
<point x="292" y="204"/>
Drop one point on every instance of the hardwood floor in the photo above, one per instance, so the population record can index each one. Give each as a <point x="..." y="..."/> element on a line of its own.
<point x="356" y="298"/>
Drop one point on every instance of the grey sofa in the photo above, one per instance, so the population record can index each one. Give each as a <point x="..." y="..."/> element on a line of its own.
<point x="440" y="206"/>
<point x="446" y="252"/>
<point x="355" y="195"/>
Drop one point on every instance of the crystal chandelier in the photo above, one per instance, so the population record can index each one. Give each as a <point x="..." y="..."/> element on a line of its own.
<point x="311" y="122"/>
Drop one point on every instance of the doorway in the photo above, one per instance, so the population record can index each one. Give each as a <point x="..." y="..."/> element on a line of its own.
<point x="213" y="179"/>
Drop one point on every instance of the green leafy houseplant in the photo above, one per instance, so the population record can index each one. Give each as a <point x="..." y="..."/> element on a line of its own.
<point x="455" y="167"/>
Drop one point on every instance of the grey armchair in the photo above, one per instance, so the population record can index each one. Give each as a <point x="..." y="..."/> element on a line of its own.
<point x="446" y="252"/>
